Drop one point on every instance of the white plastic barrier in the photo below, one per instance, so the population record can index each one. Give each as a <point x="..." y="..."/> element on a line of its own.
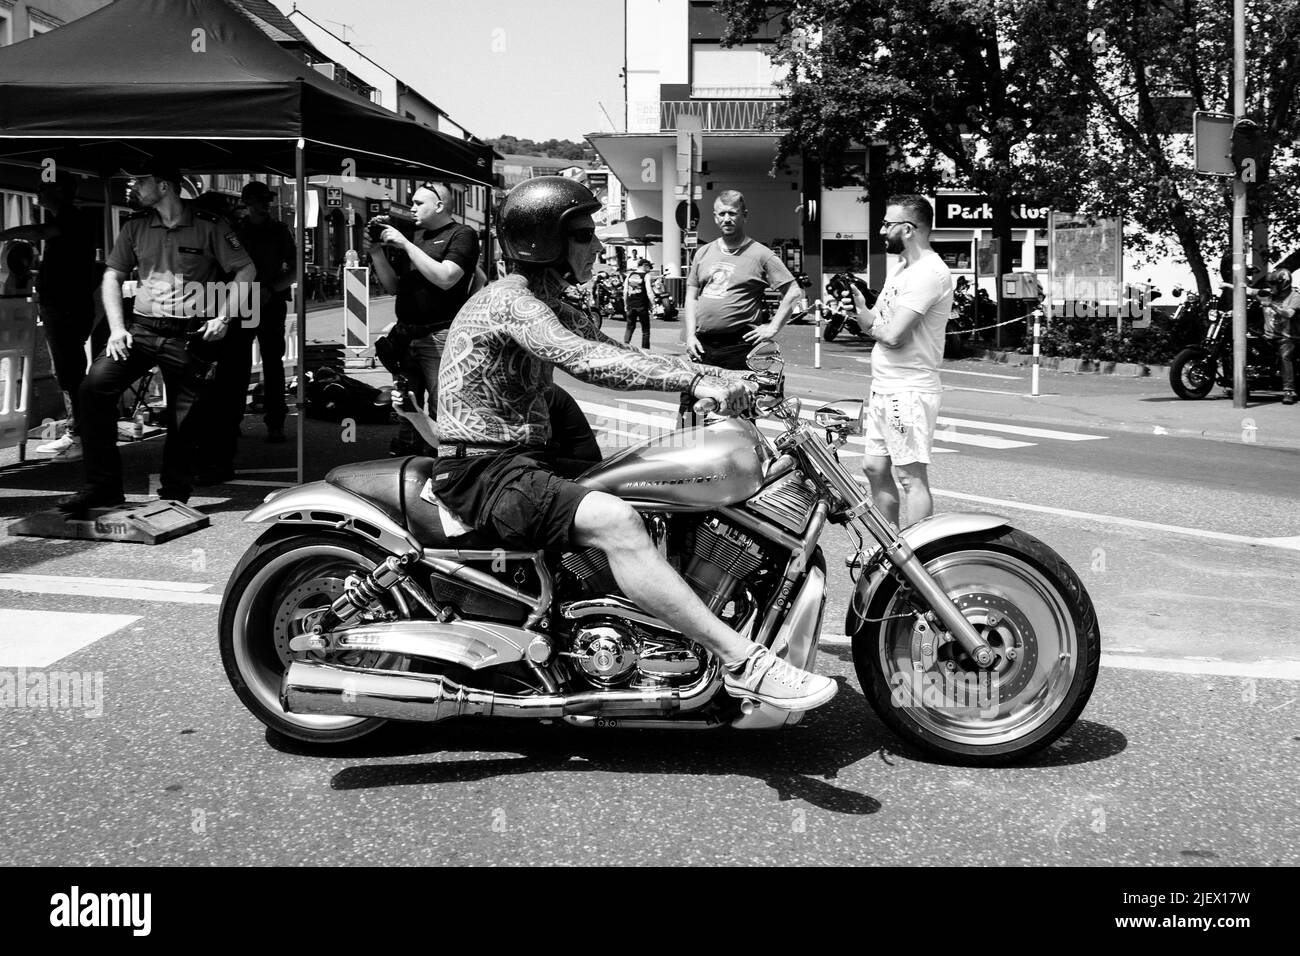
<point x="17" y="365"/>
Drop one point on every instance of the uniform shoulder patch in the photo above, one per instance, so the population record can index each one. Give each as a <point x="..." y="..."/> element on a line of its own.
<point x="233" y="240"/>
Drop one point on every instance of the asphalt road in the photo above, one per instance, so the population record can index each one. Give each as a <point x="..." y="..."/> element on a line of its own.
<point x="1186" y="755"/>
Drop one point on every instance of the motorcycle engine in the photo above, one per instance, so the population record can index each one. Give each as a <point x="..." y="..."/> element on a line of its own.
<point x="721" y="556"/>
<point x="615" y="651"/>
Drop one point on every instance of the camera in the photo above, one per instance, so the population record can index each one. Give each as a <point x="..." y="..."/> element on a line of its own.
<point x="839" y="284"/>
<point x="402" y="222"/>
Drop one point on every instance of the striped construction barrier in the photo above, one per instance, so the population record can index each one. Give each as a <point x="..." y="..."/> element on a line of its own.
<point x="356" y="308"/>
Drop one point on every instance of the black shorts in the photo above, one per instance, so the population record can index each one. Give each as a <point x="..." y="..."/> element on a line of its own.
<point x="517" y="498"/>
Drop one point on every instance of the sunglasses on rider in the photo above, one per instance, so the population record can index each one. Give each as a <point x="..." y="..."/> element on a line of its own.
<point x="582" y="235"/>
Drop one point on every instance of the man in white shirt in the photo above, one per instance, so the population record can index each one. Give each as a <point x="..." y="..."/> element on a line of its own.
<point x="908" y="326"/>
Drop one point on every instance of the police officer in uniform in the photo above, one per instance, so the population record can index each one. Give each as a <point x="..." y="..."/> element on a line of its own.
<point x="180" y="252"/>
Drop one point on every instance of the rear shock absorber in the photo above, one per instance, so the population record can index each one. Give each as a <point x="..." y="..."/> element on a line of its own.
<point x="359" y="596"/>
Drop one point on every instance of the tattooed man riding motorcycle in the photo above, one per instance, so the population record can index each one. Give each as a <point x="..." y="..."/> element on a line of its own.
<point x="495" y="473"/>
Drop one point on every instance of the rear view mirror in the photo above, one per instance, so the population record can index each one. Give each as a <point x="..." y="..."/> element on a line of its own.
<point x="763" y="357"/>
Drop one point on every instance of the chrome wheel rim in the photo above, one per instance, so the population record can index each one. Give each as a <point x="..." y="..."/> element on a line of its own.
<point x="302" y="583"/>
<point x="1024" y="618"/>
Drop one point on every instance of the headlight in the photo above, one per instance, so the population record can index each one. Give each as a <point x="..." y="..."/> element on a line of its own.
<point x="846" y="416"/>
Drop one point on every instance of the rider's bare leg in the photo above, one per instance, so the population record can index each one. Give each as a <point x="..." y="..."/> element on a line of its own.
<point x="608" y="523"/>
<point x="884" y="493"/>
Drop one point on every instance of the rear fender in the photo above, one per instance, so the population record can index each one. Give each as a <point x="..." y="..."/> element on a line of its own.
<point x="324" y="505"/>
<point x="925" y="532"/>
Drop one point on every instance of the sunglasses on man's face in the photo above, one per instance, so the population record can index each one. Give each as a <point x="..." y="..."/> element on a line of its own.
<point x="582" y="236"/>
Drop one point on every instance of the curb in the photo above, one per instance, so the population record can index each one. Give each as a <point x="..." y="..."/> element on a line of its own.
<point x="1074" y="366"/>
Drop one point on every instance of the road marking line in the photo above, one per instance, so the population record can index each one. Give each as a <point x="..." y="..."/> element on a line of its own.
<point x="972" y="388"/>
<point x="41" y="638"/>
<point x="1021" y="430"/>
<point x="170" y="592"/>
<point x="263" y="471"/>
<point x="39" y="579"/>
<point x="1285" y="543"/>
<point x="1263" y="670"/>
<point x="261" y="483"/>
<point x="980" y="441"/>
<point x="956" y="371"/>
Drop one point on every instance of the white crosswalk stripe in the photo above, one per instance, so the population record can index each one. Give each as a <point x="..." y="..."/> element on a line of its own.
<point x="951" y="431"/>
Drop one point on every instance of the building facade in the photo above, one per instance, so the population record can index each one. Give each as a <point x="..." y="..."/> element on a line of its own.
<point x="679" y="78"/>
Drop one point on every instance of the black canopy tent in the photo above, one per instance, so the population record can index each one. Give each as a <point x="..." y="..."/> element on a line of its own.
<point x="198" y="83"/>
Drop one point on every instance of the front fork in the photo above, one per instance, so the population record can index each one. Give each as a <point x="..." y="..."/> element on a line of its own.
<point x="898" y="551"/>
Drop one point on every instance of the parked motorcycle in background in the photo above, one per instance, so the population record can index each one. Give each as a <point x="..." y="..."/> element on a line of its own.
<point x="1198" y="368"/>
<point x="973" y="641"/>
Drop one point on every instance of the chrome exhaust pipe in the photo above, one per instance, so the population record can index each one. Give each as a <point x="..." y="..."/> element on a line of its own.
<point x="311" y="687"/>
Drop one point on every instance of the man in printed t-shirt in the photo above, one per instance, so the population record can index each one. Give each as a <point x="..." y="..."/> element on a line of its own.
<point x="908" y="326"/>
<point x="724" y="293"/>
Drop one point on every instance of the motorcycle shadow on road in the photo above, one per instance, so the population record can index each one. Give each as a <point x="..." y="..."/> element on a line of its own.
<point x="798" y="763"/>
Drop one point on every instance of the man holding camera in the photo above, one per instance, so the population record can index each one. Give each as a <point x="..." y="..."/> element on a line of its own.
<point x="181" y="253"/>
<point x="442" y="258"/>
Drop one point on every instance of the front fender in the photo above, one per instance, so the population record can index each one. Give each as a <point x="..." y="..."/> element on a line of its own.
<point x="925" y="532"/>
<point x="320" y="503"/>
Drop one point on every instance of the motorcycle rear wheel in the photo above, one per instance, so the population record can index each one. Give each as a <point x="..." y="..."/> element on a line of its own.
<point x="274" y="592"/>
<point x="1033" y="610"/>
<point x="1191" y="375"/>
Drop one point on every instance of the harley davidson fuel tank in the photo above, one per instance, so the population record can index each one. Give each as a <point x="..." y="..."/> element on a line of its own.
<point x="692" y="469"/>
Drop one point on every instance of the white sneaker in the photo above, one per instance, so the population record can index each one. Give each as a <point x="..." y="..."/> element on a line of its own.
<point x="59" y="444"/>
<point x="72" y="452"/>
<point x="769" y="679"/>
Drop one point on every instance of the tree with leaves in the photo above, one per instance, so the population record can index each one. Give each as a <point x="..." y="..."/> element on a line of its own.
<point x="1057" y="101"/>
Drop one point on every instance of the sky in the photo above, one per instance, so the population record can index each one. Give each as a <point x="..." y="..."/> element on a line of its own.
<point x="535" y="69"/>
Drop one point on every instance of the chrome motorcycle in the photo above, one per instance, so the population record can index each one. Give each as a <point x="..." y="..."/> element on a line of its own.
<point x="973" y="641"/>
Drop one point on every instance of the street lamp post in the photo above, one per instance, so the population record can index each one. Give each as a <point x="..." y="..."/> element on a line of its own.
<point x="1238" y="213"/>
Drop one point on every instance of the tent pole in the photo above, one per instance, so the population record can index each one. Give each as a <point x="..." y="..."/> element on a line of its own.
<point x="489" y="260"/>
<point x="107" y="182"/>
<point x="300" y="300"/>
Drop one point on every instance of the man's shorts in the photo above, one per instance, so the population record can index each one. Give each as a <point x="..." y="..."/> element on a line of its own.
<point x="900" y="425"/>
<point x="518" y="499"/>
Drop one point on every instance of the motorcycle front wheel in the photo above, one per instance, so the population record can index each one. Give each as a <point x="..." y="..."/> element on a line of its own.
<point x="1191" y="375"/>
<point x="278" y="589"/>
<point x="832" y="329"/>
<point x="1034" y="612"/>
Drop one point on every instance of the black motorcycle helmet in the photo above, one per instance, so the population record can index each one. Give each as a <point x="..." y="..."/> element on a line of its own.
<point x="1279" y="283"/>
<point x="533" y="216"/>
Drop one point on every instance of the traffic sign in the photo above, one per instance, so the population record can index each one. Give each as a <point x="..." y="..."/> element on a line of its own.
<point x="1212" y="143"/>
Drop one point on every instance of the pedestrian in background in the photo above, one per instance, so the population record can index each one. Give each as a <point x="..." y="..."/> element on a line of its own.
<point x="908" y="324"/>
<point x="1281" y="305"/>
<point x="636" y="302"/>
<point x="724" y="294"/>
<point x="270" y="244"/>
<point x="65" y="289"/>
<point x="430" y="289"/>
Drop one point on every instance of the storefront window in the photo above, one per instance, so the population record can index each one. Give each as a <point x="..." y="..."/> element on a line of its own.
<point x="955" y="254"/>
<point x="844" y="255"/>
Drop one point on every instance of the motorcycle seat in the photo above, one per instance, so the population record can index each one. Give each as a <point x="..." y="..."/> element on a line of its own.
<point x="394" y="485"/>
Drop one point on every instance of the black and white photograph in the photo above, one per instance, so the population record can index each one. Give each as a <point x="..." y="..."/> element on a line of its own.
<point x="652" y="433"/>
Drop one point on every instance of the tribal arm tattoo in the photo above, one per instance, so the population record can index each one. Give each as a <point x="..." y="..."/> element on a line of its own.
<point x="537" y="329"/>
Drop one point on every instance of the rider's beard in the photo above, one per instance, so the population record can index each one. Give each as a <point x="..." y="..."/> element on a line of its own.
<point x="893" y="244"/>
